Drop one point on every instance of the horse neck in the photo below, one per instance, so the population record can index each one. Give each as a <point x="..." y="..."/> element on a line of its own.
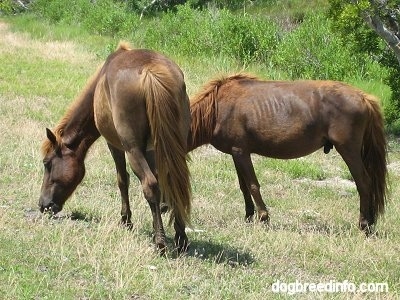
<point x="79" y="130"/>
<point x="203" y="115"/>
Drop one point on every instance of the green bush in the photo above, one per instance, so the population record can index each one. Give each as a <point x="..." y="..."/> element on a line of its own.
<point x="9" y="7"/>
<point x="392" y="107"/>
<point x="346" y="19"/>
<point x="194" y="32"/>
<point x="247" y="38"/>
<point x="110" y="18"/>
<point x="105" y="17"/>
<point x="312" y="50"/>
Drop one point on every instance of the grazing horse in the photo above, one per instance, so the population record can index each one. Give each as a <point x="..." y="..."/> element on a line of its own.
<point x="242" y="114"/>
<point x="138" y="102"/>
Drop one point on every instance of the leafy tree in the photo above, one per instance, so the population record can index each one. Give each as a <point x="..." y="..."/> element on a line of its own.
<point x="373" y="27"/>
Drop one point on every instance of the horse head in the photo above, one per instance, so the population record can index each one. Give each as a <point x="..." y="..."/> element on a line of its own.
<point x="63" y="171"/>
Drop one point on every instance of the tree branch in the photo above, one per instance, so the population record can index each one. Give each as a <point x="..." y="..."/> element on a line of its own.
<point x="146" y="7"/>
<point x="374" y="21"/>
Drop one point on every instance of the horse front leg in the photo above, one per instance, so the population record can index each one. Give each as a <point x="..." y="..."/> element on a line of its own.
<point x="249" y="184"/>
<point x="142" y="167"/>
<point x="123" y="184"/>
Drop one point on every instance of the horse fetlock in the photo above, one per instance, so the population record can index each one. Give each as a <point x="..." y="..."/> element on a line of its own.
<point x="160" y="242"/>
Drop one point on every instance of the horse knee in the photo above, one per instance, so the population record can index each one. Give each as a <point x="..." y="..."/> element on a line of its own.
<point x="151" y="191"/>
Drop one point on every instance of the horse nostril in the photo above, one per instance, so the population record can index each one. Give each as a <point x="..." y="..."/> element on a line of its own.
<point x="48" y="208"/>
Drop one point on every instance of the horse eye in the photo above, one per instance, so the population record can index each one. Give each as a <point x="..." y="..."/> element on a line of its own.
<point x="47" y="164"/>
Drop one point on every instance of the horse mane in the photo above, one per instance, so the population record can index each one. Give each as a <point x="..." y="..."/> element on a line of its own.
<point x="124" y="45"/>
<point x="204" y="108"/>
<point x="58" y="131"/>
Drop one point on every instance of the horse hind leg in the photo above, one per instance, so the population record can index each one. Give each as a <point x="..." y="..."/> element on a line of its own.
<point x="352" y="157"/>
<point x="249" y="185"/>
<point x="181" y="239"/>
<point x="151" y="191"/>
<point x="123" y="184"/>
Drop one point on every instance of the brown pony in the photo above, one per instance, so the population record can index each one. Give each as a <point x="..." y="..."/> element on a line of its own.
<point x="137" y="101"/>
<point x="242" y="114"/>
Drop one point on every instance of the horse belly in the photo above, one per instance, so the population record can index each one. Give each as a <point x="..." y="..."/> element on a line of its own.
<point x="287" y="147"/>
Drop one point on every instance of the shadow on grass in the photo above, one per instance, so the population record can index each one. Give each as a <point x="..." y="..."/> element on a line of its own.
<point x="35" y="214"/>
<point x="203" y="248"/>
<point x="219" y="253"/>
<point x="79" y="216"/>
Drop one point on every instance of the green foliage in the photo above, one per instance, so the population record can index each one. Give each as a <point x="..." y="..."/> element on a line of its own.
<point x="192" y="32"/>
<point x="312" y="50"/>
<point x="10" y="7"/>
<point x="347" y="21"/>
<point x="6" y="7"/>
<point x="150" y="7"/>
<point x="103" y="16"/>
<point x="392" y="107"/>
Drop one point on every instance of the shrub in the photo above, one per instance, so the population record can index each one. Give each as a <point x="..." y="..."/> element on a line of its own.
<point x="312" y="50"/>
<point x="193" y="32"/>
<point x="102" y="16"/>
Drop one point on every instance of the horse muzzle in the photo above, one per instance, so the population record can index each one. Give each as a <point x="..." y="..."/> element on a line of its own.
<point x="49" y="207"/>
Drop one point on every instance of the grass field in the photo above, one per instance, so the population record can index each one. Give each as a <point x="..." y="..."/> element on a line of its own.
<point x="85" y="254"/>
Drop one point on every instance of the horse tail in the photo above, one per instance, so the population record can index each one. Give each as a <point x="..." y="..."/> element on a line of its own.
<point x="374" y="156"/>
<point x="168" y="114"/>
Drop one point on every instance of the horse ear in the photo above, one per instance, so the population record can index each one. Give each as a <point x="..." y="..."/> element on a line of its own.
<point x="51" y="136"/>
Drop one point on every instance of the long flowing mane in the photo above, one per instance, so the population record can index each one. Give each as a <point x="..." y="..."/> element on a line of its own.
<point x="47" y="146"/>
<point x="204" y="108"/>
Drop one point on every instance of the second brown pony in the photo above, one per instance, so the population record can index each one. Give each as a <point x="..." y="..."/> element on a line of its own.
<point x="242" y="114"/>
<point x="137" y="101"/>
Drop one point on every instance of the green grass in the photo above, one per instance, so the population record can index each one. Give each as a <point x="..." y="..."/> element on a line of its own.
<point x="85" y="254"/>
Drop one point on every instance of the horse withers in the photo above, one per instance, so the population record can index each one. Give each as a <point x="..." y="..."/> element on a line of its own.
<point x="138" y="102"/>
<point x="241" y="114"/>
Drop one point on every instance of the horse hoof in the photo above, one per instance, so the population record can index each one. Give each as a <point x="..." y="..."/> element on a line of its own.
<point x="264" y="218"/>
<point x="249" y="218"/>
<point x="366" y="227"/>
<point x="126" y="223"/>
